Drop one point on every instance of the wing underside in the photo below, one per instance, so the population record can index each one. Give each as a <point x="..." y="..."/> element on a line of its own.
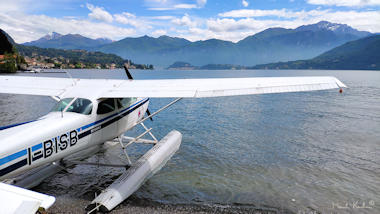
<point x="18" y="200"/>
<point x="195" y="88"/>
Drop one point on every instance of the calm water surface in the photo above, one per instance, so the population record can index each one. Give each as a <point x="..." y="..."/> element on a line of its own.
<point x="309" y="152"/>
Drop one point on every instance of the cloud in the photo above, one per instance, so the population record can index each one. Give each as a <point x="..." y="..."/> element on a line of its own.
<point x="130" y="19"/>
<point x="164" y="5"/>
<point x="227" y="25"/>
<point x="184" y="6"/>
<point x="245" y="13"/>
<point x="245" y="3"/>
<point x="161" y="17"/>
<point x="346" y="3"/>
<point x="161" y="8"/>
<point x="159" y="32"/>
<point x="98" y="13"/>
<point x="29" y="6"/>
<point x="24" y="28"/>
<point x="184" y="21"/>
<point x="11" y="5"/>
<point x="126" y="18"/>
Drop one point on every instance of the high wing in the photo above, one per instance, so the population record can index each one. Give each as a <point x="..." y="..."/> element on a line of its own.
<point x="195" y="88"/>
<point x="18" y="200"/>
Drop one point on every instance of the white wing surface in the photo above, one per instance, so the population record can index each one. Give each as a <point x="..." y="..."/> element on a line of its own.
<point x="35" y="85"/>
<point x="18" y="200"/>
<point x="196" y="88"/>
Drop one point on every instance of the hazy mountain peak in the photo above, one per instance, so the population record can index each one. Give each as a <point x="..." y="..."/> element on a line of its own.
<point x="68" y="41"/>
<point x="334" y="27"/>
<point x="55" y="35"/>
<point x="76" y="35"/>
<point x="104" y="40"/>
<point x="164" y="36"/>
<point x="173" y="39"/>
<point x="50" y="36"/>
<point x="322" y="25"/>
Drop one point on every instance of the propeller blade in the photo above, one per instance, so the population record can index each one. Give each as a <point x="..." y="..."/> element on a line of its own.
<point x="148" y="113"/>
<point x="131" y="78"/>
<point x="128" y="73"/>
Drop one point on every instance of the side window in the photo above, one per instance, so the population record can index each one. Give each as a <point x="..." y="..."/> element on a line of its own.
<point x="106" y="106"/>
<point x="125" y="102"/>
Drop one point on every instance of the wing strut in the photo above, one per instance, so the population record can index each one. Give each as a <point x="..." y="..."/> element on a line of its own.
<point x="158" y="111"/>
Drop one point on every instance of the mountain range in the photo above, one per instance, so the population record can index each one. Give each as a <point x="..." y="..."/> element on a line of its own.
<point x="361" y="54"/>
<point x="270" y="45"/>
<point x="69" y="41"/>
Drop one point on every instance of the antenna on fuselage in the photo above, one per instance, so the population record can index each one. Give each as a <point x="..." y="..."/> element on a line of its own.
<point x="129" y="75"/>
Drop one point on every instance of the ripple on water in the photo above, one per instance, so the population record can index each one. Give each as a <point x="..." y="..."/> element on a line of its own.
<point x="296" y="152"/>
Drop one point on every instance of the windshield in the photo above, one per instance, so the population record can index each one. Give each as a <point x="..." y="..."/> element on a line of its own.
<point x="61" y="105"/>
<point x="79" y="105"/>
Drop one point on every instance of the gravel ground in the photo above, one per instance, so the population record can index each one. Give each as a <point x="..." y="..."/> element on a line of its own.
<point x="64" y="204"/>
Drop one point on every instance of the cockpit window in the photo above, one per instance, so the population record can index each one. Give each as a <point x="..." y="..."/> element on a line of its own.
<point x="79" y="105"/>
<point x="106" y="106"/>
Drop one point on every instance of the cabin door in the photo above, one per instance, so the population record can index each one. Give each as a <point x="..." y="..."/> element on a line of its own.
<point x="127" y="117"/>
<point x="107" y="117"/>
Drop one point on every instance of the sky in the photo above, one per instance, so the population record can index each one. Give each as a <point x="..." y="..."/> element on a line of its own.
<point x="232" y="20"/>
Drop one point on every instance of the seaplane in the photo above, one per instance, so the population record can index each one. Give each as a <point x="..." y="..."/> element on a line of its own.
<point x="90" y="113"/>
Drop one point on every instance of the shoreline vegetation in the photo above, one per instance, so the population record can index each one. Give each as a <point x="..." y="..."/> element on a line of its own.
<point x="51" y="58"/>
<point x="9" y="57"/>
<point x="187" y="66"/>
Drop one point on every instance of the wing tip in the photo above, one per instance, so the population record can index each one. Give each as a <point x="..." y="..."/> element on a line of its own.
<point x="339" y="83"/>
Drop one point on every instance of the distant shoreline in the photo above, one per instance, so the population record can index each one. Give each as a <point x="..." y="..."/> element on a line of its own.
<point x="183" y="66"/>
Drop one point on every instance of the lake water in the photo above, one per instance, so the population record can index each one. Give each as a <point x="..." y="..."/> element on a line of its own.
<point x="309" y="152"/>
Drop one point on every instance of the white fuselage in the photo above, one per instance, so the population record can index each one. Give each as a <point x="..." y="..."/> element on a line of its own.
<point x="60" y="134"/>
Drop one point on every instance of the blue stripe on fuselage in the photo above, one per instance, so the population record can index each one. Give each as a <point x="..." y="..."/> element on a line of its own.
<point x="36" y="147"/>
<point x="14" y="125"/>
<point x="106" y="118"/>
<point x="12" y="157"/>
<point x="39" y="146"/>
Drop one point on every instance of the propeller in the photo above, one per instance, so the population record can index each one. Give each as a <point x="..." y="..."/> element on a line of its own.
<point x="129" y="75"/>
